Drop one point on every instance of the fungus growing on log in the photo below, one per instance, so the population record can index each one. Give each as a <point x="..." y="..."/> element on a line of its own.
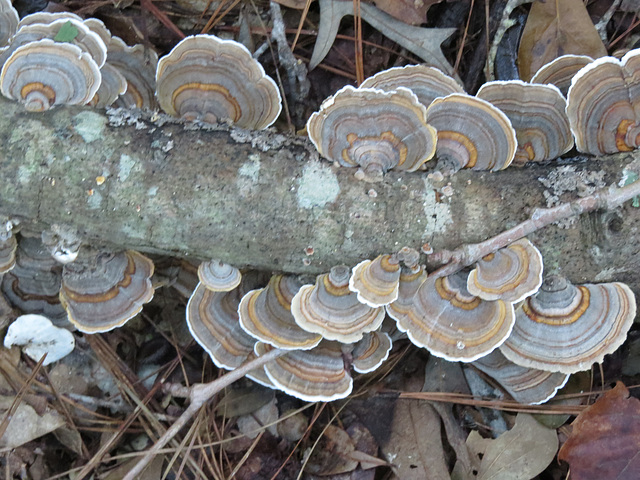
<point x="537" y="113"/>
<point x="567" y="328"/>
<point x="370" y="352"/>
<point x="525" y="385"/>
<point x="45" y="73"/>
<point x="137" y="64"/>
<point x="332" y="310"/>
<point x="316" y="375"/>
<point x="34" y="283"/>
<point x="560" y="71"/>
<point x="212" y="318"/>
<point x="510" y="274"/>
<point x="376" y="281"/>
<point x="218" y="276"/>
<point x="374" y="130"/>
<point x="453" y="324"/>
<point x="102" y="291"/>
<point x="214" y="80"/>
<point x="472" y="133"/>
<point x="265" y="314"/>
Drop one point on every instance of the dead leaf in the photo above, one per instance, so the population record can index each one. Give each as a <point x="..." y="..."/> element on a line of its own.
<point x="605" y="440"/>
<point x="519" y="454"/>
<point x="407" y="11"/>
<point x="423" y="42"/>
<point x="332" y="455"/>
<point x="555" y="28"/>
<point x="26" y="425"/>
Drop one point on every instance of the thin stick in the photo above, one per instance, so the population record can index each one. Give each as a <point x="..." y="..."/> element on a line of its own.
<point x="606" y="199"/>
<point x="200" y="394"/>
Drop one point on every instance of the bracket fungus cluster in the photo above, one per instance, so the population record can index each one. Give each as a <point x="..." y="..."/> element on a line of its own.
<point x="373" y="130"/>
<point x="507" y="122"/>
<point x="101" y="291"/>
<point x="207" y="78"/>
<point x="59" y="58"/>
<point x="324" y="328"/>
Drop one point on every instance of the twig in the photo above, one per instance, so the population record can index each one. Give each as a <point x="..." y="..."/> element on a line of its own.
<point x="601" y="26"/>
<point x="200" y="394"/>
<point x="607" y="199"/>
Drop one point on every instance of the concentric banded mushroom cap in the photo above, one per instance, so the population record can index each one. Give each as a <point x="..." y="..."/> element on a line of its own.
<point x="472" y="133"/>
<point x="218" y="276"/>
<point x="214" y="80"/>
<point x="560" y="71"/>
<point x="332" y="310"/>
<point x="373" y="129"/>
<point x="602" y="105"/>
<point x="138" y="66"/>
<point x="453" y="324"/>
<point x="8" y="248"/>
<point x="567" y="328"/>
<point x="376" y="281"/>
<point x="102" y="292"/>
<point x="316" y="375"/>
<point x="427" y="83"/>
<point x="265" y="314"/>
<point x="371" y="352"/>
<point x="212" y="318"/>
<point x="537" y="113"/>
<point x="8" y="21"/>
<point x="510" y="274"/>
<point x="34" y="283"/>
<point x="525" y="385"/>
<point x="410" y="280"/>
<point x="46" y="73"/>
<point x="112" y="86"/>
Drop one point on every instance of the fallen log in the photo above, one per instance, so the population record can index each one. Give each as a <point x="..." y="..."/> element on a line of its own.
<point x="126" y="179"/>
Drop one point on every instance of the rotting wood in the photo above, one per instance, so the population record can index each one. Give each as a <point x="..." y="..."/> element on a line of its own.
<point x="260" y="199"/>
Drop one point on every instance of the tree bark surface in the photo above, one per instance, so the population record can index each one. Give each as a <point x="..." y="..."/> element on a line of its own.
<point x="266" y="200"/>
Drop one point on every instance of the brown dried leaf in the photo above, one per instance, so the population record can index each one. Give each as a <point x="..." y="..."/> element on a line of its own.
<point x="555" y="28"/>
<point x="605" y="440"/>
<point x="332" y="455"/>
<point x="414" y="447"/>
<point x="519" y="454"/>
<point x="26" y="425"/>
<point x="410" y="12"/>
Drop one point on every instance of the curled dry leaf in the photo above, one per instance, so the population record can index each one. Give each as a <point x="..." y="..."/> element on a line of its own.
<point x="519" y="454"/>
<point x="605" y="440"/>
<point x="555" y="28"/>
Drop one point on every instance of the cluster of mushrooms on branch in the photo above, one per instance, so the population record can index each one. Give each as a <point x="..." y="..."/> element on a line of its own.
<point x="526" y="333"/>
